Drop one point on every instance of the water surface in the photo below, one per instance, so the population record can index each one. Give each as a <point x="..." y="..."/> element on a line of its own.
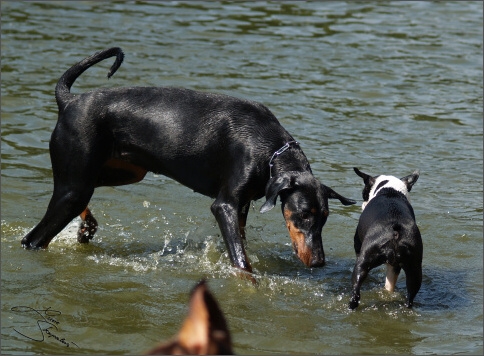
<point x="387" y="87"/>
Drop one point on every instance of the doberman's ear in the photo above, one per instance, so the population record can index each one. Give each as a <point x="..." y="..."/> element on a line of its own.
<point x="367" y="179"/>
<point x="331" y="194"/>
<point x="411" y="179"/>
<point x="273" y="188"/>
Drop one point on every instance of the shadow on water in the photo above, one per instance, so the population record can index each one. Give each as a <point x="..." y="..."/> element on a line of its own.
<point x="444" y="289"/>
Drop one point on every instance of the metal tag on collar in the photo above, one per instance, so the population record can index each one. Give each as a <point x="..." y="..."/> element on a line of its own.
<point x="278" y="152"/>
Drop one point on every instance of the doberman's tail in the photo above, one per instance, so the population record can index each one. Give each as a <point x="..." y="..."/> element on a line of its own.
<point x="63" y="88"/>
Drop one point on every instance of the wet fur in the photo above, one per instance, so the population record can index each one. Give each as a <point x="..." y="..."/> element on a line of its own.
<point x="217" y="145"/>
<point x="387" y="233"/>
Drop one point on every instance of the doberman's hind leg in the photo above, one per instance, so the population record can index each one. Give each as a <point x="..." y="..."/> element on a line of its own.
<point x="88" y="226"/>
<point x="64" y="206"/>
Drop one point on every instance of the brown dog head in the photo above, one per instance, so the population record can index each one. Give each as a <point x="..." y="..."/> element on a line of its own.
<point x="204" y="331"/>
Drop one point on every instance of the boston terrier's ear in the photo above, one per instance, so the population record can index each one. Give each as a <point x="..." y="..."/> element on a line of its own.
<point x="367" y="179"/>
<point x="411" y="179"/>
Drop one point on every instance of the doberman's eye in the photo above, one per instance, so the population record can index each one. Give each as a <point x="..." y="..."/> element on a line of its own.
<point x="305" y="215"/>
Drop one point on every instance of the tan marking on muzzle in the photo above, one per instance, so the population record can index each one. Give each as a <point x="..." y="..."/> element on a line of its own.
<point x="298" y="240"/>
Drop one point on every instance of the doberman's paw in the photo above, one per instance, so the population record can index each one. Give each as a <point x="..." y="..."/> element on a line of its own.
<point x="84" y="234"/>
<point x="32" y="245"/>
<point x="87" y="230"/>
<point x="353" y="304"/>
<point x="248" y="276"/>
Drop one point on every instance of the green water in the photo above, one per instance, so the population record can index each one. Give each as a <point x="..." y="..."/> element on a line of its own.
<point x="388" y="87"/>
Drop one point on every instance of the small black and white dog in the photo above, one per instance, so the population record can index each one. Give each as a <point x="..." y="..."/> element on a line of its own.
<point x="387" y="233"/>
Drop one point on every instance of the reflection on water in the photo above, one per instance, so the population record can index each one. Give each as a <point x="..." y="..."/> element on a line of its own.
<point x="386" y="87"/>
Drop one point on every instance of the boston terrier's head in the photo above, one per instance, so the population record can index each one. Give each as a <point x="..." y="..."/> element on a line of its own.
<point x="373" y="185"/>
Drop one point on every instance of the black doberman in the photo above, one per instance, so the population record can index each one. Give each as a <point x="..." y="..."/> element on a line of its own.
<point x="230" y="149"/>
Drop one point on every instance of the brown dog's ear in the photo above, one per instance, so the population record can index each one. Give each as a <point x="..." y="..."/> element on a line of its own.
<point x="204" y="331"/>
<point x="411" y="179"/>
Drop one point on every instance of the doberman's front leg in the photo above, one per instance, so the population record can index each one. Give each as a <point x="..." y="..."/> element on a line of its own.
<point x="227" y="216"/>
<point x="243" y="219"/>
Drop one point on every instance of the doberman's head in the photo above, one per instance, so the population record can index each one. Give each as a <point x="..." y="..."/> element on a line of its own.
<point x="305" y="208"/>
